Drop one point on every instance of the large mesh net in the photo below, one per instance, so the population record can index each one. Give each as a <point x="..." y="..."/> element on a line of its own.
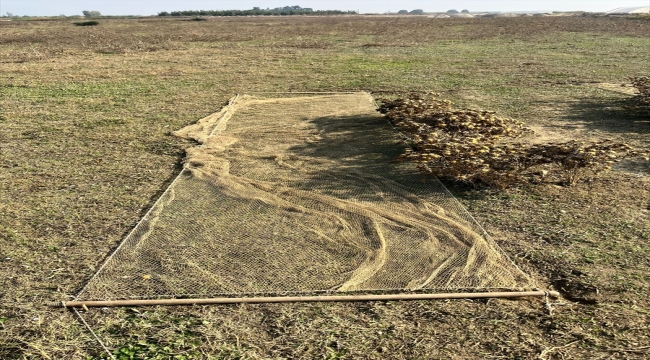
<point x="301" y="195"/>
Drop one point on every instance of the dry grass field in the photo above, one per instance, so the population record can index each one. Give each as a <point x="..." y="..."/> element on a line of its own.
<point x="85" y="148"/>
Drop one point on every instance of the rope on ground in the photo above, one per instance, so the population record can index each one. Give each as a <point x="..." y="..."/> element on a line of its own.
<point x="108" y="352"/>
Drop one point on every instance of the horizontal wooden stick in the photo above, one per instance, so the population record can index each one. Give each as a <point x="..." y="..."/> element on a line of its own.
<point x="286" y="299"/>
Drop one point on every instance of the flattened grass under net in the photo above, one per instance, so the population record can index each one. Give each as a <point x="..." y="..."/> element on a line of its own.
<point x="301" y="195"/>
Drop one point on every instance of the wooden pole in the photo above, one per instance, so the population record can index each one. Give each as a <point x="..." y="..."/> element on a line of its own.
<point x="287" y="299"/>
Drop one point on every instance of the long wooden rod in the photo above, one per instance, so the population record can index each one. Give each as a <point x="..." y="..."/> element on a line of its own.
<point x="287" y="299"/>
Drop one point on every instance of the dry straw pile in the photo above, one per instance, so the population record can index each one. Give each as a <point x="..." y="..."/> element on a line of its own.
<point x="477" y="146"/>
<point x="642" y="84"/>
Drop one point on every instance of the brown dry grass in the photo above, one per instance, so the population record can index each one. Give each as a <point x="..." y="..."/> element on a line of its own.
<point x="85" y="117"/>
<point x="26" y="41"/>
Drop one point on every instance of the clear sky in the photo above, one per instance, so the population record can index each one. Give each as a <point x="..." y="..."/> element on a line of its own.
<point x="150" y="7"/>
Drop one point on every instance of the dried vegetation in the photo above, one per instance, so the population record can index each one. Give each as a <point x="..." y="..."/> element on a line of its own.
<point x="642" y="85"/>
<point x="477" y="146"/>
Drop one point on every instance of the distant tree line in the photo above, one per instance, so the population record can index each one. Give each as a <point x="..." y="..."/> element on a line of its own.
<point x="91" y="13"/>
<point x="11" y="15"/>
<point x="287" y="10"/>
<point x="412" y="12"/>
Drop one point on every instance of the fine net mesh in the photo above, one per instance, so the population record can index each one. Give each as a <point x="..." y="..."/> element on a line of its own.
<point x="301" y="195"/>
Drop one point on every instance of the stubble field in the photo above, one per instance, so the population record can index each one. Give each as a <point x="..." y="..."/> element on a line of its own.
<point x="85" y="148"/>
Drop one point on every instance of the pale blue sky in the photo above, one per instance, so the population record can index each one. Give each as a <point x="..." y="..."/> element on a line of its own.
<point x="149" y="7"/>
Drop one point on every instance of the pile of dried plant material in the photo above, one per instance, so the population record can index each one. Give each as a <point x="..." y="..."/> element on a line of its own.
<point x="642" y="84"/>
<point x="477" y="146"/>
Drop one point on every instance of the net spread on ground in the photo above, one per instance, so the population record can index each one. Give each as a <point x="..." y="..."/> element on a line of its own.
<point x="301" y="195"/>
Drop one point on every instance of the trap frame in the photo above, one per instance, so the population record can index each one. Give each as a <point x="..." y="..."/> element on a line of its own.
<point x="311" y="180"/>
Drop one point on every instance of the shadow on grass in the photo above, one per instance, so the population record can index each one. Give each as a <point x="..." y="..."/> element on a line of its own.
<point x="358" y="154"/>
<point x="616" y="115"/>
<point x="368" y="148"/>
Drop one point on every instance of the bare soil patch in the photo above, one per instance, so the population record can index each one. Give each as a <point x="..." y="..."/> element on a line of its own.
<point x="626" y="89"/>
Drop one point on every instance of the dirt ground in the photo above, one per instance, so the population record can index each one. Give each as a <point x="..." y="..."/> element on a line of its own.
<point x="86" y="115"/>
